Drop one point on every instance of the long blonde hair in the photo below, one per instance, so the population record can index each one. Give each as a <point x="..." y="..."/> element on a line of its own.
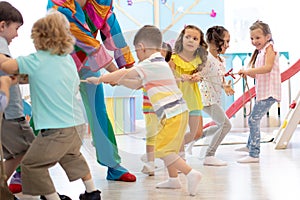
<point x="52" y="33"/>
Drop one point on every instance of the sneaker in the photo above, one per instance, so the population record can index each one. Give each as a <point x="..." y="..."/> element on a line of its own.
<point x="15" y="185"/>
<point x="242" y="149"/>
<point x="61" y="196"/>
<point x="149" y="168"/>
<point x="213" y="161"/>
<point x="96" y="195"/>
<point x="248" y="159"/>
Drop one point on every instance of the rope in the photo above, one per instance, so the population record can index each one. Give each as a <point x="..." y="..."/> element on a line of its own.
<point x="233" y="75"/>
<point x="245" y="85"/>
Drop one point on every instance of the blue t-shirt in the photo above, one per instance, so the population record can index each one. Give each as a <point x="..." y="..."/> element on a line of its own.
<point x="14" y="108"/>
<point x="54" y="84"/>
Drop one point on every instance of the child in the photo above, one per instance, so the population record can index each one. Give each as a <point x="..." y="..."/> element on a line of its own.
<point x="152" y="121"/>
<point x="264" y="67"/>
<point x="190" y="54"/>
<point x="212" y="83"/>
<point x="16" y="133"/>
<point x="5" y="83"/>
<point x="154" y="74"/>
<point x="54" y="83"/>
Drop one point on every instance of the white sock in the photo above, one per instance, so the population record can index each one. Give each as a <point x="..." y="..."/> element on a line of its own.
<point x="29" y="197"/>
<point x="171" y="183"/>
<point x="89" y="186"/>
<point x="53" y="196"/>
<point x="193" y="180"/>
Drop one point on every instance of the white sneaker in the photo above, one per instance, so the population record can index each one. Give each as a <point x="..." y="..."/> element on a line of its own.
<point x="149" y="168"/>
<point x="242" y="149"/>
<point x="213" y="161"/>
<point x="248" y="159"/>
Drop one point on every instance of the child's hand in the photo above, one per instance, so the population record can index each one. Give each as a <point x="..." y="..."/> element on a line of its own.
<point x="196" y="77"/>
<point x="94" y="80"/>
<point x="243" y="73"/>
<point x="185" y="77"/>
<point x="228" y="89"/>
<point x="113" y="84"/>
<point x="6" y="80"/>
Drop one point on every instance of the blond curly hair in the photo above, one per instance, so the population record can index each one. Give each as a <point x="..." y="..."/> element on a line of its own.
<point x="52" y="33"/>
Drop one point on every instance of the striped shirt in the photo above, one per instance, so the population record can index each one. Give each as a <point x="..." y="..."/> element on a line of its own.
<point x="269" y="84"/>
<point x="161" y="87"/>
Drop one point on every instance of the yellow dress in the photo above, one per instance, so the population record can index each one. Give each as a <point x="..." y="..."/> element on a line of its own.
<point x="190" y="90"/>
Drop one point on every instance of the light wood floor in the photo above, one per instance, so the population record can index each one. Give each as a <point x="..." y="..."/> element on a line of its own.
<point x="276" y="177"/>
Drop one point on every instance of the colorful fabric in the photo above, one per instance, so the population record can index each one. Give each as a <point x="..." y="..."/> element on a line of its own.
<point x="147" y="107"/>
<point x="85" y="23"/>
<point x="269" y="84"/>
<point x="101" y="128"/>
<point x="90" y="56"/>
<point x="190" y="90"/>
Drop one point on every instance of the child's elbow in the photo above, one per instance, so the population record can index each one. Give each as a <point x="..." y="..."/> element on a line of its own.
<point x="268" y="69"/>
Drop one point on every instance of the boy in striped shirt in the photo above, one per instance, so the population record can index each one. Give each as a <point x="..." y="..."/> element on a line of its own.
<point x="154" y="74"/>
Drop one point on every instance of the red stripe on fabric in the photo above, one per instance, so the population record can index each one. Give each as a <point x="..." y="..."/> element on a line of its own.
<point x="158" y="83"/>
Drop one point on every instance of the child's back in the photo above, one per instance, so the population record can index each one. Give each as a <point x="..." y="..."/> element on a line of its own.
<point x="54" y="85"/>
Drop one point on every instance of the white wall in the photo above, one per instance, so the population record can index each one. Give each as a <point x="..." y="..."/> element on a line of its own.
<point x="31" y="10"/>
<point x="282" y="17"/>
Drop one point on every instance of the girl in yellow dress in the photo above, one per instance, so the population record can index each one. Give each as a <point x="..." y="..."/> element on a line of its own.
<point x="190" y="54"/>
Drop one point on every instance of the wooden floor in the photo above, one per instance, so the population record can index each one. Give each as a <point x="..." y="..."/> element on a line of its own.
<point x="276" y="177"/>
